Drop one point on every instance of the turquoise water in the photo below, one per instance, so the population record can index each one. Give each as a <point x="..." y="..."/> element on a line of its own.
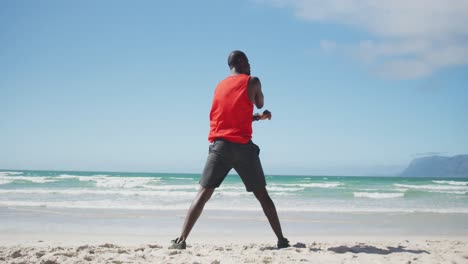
<point x="162" y="191"/>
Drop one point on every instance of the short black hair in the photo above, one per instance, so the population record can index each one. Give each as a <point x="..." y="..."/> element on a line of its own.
<point x="235" y="57"/>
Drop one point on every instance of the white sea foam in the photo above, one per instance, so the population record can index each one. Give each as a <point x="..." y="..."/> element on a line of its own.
<point x="281" y="194"/>
<point x="78" y="192"/>
<point x="450" y="192"/>
<point x="432" y="187"/>
<point x="121" y="182"/>
<point x="377" y="195"/>
<point x="127" y="192"/>
<point x="192" y="187"/>
<point x="244" y="193"/>
<point x="101" y="204"/>
<point x="107" y="181"/>
<point x="463" y="183"/>
<point x="232" y="194"/>
<point x="371" y="210"/>
<point x="172" y="187"/>
<point x="28" y="178"/>
<point x="283" y="189"/>
<point x="91" y="178"/>
<point x="369" y="189"/>
<point x="180" y="178"/>
<point x="222" y="188"/>
<point x="81" y="177"/>
<point x="112" y="204"/>
<point x="315" y="185"/>
<point x="231" y="187"/>
<point x="5" y="181"/>
<point x="8" y="173"/>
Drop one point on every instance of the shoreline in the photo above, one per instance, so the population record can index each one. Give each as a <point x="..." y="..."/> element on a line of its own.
<point x="237" y="224"/>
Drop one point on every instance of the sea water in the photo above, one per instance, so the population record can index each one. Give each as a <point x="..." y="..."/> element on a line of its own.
<point x="170" y="191"/>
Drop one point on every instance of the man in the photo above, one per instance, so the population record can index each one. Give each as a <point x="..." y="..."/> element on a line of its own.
<point x="231" y="145"/>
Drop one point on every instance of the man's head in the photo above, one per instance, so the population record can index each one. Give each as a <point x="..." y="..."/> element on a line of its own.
<point x="238" y="61"/>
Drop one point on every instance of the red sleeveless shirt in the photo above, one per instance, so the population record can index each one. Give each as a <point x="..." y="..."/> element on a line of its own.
<point x="231" y="111"/>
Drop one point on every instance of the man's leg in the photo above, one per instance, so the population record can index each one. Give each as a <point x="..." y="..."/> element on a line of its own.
<point x="216" y="168"/>
<point x="195" y="211"/>
<point x="249" y="168"/>
<point x="270" y="211"/>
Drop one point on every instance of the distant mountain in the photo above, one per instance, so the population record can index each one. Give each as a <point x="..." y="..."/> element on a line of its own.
<point x="437" y="166"/>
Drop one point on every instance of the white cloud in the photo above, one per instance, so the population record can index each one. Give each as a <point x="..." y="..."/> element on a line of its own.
<point x="410" y="38"/>
<point x="404" y="69"/>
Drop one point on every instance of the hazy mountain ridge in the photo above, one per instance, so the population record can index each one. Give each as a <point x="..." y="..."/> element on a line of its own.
<point x="438" y="166"/>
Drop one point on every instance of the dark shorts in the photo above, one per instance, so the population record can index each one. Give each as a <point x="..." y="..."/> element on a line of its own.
<point x="224" y="156"/>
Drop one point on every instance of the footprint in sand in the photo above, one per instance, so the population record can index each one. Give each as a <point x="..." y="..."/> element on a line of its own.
<point x="82" y="248"/>
<point x="16" y="254"/>
<point x="299" y="245"/>
<point x="66" y="254"/>
<point x="122" y="251"/>
<point x="175" y="252"/>
<point x="108" y="245"/>
<point x="154" y="246"/>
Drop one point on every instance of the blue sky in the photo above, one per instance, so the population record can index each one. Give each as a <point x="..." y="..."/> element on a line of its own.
<point x="355" y="88"/>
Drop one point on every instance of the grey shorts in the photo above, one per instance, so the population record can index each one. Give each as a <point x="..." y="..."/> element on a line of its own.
<point x="224" y="156"/>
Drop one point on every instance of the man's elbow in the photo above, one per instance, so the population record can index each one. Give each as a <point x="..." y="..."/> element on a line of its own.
<point x="259" y="105"/>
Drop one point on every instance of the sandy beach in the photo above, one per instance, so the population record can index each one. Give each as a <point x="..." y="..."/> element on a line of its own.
<point x="45" y="235"/>
<point x="317" y="250"/>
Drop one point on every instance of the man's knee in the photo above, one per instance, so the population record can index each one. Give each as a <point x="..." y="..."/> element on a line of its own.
<point x="205" y="193"/>
<point x="262" y="195"/>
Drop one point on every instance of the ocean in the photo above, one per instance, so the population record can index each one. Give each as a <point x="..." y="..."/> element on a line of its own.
<point x="170" y="191"/>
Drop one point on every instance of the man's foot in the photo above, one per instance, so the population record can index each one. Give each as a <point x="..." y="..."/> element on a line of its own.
<point x="177" y="244"/>
<point x="283" y="243"/>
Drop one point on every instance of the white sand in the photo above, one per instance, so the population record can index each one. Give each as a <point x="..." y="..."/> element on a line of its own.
<point x="48" y="236"/>
<point x="319" y="250"/>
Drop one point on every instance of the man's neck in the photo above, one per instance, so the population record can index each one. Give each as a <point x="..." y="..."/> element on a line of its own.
<point x="234" y="72"/>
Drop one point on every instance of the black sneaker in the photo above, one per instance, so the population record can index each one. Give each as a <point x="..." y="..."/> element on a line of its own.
<point x="283" y="243"/>
<point x="177" y="244"/>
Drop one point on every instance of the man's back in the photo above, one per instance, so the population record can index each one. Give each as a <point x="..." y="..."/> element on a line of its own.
<point x="231" y="111"/>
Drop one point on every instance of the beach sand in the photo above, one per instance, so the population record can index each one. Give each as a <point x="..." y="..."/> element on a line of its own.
<point x="317" y="250"/>
<point x="47" y="236"/>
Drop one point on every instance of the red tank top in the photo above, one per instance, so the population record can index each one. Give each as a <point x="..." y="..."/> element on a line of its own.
<point x="231" y="111"/>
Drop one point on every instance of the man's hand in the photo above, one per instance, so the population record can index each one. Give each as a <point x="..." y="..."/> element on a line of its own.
<point x="266" y="115"/>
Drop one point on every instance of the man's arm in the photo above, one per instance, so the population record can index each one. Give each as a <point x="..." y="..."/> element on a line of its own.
<point x="255" y="92"/>
<point x="256" y="96"/>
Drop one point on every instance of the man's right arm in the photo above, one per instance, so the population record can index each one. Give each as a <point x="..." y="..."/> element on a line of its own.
<point x="255" y="92"/>
<point x="256" y="96"/>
